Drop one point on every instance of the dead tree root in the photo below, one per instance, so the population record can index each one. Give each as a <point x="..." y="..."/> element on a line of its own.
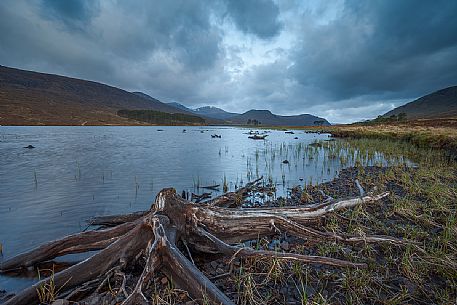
<point x="155" y="235"/>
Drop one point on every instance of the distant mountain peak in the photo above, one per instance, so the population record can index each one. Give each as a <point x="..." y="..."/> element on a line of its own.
<point x="207" y="111"/>
<point x="263" y="111"/>
<point x="180" y="106"/>
<point x="206" y="107"/>
<point x="266" y="117"/>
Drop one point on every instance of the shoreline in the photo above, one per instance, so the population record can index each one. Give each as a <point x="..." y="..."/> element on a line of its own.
<point x="249" y="281"/>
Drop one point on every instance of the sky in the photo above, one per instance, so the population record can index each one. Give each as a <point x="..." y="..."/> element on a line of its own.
<point x="342" y="60"/>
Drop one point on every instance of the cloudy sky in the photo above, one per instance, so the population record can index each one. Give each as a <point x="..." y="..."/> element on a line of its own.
<point x="343" y="60"/>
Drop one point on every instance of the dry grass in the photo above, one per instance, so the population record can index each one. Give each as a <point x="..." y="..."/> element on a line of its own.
<point x="425" y="133"/>
<point x="422" y="208"/>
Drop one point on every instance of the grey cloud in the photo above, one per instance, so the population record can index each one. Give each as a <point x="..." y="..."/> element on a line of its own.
<point x="73" y="13"/>
<point x="32" y="43"/>
<point x="378" y="47"/>
<point x="73" y="9"/>
<point x="137" y="29"/>
<point x="134" y="32"/>
<point x="259" y="17"/>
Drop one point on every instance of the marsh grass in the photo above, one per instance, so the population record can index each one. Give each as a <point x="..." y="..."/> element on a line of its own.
<point x="78" y="172"/>
<point x="35" y="179"/>
<point x="422" y="207"/>
<point x="47" y="292"/>
<point x="440" y="134"/>
<point x="225" y="186"/>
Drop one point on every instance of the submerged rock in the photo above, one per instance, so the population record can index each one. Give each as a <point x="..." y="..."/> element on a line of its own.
<point x="285" y="245"/>
<point x="214" y="264"/>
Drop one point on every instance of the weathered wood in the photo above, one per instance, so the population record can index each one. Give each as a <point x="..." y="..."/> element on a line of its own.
<point x="249" y="252"/>
<point x="152" y="263"/>
<point x="199" y="198"/>
<point x="304" y="232"/>
<point x="76" y="243"/>
<point x="114" y="220"/>
<point x="214" y="187"/>
<point x="123" y="249"/>
<point x="187" y="276"/>
<point x="239" y="225"/>
<point x="230" y="198"/>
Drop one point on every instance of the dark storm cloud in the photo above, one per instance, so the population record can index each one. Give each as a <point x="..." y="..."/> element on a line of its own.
<point x="366" y="59"/>
<point x="345" y="60"/>
<point x="380" y="47"/>
<point x="80" y="10"/>
<point x="28" y="41"/>
<point x="259" y="17"/>
<point x="180" y="28"/>
<point x="110" y="38"/>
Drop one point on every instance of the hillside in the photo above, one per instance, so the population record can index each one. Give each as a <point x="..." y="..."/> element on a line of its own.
<point x="215" y="112"/>
<point x="32" y="98"/>
<point x="148" y="97"/>
<point x="180" y="106"/>
<point x="161" y="118"/>
<point x="265" y="117"/>
<point x="439" y="104"/>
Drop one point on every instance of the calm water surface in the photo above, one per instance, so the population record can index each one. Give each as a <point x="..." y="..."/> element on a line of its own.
<point x="75" y="173"/>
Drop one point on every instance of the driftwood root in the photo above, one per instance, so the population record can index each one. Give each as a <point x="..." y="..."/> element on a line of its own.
<point x="155" y="235"/>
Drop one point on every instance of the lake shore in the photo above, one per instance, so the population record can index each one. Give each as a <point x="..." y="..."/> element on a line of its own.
<point x="426" y="133"/>
<point x="423" y="270"/>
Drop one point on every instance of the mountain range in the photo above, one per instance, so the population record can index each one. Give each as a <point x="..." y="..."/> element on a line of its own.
<point x="254" y="117"/>
<point x="215" y="112"/>
<point x="33" y="98"/>
<point x="265" y="117"/>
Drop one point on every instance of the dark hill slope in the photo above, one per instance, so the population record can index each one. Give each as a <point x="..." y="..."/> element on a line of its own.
<point x="180" y="106"/>
<point x="148" y="97"/>
<point x="32" y="98"/>
<point x="439" y="104"/>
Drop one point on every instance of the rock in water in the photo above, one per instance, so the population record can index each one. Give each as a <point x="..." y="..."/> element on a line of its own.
<point x="285" y="245"/>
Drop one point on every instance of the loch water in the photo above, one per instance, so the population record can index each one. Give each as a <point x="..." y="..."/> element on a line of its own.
<point x="74" y="173"/>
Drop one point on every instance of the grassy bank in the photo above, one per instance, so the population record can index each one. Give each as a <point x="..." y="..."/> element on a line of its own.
<point x="426" y="133"/>
<point x="421" y="208"/>
<point x="434" y="137"/>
